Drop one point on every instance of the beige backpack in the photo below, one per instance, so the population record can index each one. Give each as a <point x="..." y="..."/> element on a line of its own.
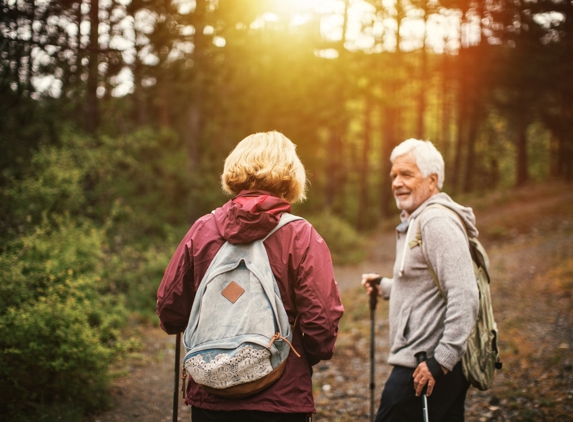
<point x="482" y="354"/>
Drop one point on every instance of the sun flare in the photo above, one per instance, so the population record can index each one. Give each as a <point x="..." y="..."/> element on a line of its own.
<point x="321" y="6"/>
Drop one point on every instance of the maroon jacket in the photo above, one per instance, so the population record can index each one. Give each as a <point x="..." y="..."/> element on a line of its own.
<point x="302" y="266"/>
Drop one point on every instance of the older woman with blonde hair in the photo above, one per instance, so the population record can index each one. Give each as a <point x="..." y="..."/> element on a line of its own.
<point x="266" y="176"/>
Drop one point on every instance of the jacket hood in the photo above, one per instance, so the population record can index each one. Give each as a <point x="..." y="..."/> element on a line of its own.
<point x="465" y="213"/>
<point x="249" y="216"/>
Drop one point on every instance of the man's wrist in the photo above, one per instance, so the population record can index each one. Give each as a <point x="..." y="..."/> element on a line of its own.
<point x="435" y="368"/>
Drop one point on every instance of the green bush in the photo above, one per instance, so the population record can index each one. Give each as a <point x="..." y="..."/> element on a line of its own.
<point x="144" y="175"/>
<point x="59" y="332"/>
<point x="60" y="316"/>
<point x="136" y="274"/>
<point x="345" y="244"/>
<point x="139" y="180"/>
<point x="52" y="351"/>
<point x="83" y="225"/>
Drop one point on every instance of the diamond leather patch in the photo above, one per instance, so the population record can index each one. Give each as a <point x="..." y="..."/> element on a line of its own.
<point x="233" y="292"/>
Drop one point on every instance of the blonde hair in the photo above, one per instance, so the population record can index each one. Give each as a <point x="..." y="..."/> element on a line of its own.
<point x="265" y="161"/>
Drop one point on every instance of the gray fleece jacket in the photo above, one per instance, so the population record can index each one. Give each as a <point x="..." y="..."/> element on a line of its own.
<point x="420" y="320"/>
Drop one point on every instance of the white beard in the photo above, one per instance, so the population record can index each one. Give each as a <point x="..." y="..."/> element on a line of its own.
<point x="403" y="204"/>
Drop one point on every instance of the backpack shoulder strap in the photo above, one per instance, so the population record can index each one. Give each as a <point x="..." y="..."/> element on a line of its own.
<point x="444" y="208"/>
<point x="434" y="276"/>
<point x="286" y="218"/>
<point x="417" y="241"/>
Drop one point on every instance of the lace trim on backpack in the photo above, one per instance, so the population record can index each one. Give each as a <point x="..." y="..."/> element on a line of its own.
<point x="248" y="364"/>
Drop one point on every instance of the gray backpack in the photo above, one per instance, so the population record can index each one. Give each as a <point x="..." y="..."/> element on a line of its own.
<point x="481" y="359"/>
<point x="238" y="336"/>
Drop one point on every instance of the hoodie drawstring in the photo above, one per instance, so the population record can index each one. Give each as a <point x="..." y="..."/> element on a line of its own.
<point x="405" y="249"/>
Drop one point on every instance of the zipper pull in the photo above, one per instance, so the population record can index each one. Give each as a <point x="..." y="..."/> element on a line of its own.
<point x="183" y="378"/>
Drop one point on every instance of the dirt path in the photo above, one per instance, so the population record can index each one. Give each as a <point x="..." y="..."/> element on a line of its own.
<point x="146" y="394"/>
<point x="528" y="235"/>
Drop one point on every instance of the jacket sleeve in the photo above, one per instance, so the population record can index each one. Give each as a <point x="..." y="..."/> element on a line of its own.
<point x="386" y="287"/>
<point x="317" y="299"/>
<point x="177" y="289"/>
<point x="447" y="251"/>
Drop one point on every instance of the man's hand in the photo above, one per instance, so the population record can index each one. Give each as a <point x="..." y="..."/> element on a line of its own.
<point x="423" y="376"/>
<point x="371" y="282"/>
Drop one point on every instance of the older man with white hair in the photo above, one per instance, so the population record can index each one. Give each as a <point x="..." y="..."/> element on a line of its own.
<point x="435" y="319"/>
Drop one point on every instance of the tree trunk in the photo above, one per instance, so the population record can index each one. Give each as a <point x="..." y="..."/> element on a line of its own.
<point x="195" y="111"/>
<point x="445" y="129"/>
<point x="494" y="175"/>
<point x="164" y="119"/>
<point x="471" y="156"/>
<point x="335" y="158"/>
<point x="335" y="169"/>
<point x="566" y="138"/>
<point x="462" y="99"/>
<point x="362" y="219"/>
<point x="423" y="78"/>
<point x="568" y="159"/>
<point x="521" y="164"/>
<point x="141" y="114"/>
<point x="388" y="143"/>
<point x="389" y="122"/>
<point x="91" y="106"/>
<point x="344" y="28"/>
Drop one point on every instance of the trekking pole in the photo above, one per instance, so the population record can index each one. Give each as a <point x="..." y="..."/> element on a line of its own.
<point x="421" y="357"/>
<point x="176" y="389"/>
<point x="373" y="301"/>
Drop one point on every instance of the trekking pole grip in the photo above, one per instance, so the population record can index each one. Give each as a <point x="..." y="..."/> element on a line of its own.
<point x="373" y="299"/>
<point x="373" y="296"/>
<point x="421" y="357"/>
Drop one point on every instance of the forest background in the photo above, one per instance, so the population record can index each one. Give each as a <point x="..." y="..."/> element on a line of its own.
<point x="117" y="115"/>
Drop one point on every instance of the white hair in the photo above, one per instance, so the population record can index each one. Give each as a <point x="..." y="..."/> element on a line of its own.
<point x="428" y="158"/>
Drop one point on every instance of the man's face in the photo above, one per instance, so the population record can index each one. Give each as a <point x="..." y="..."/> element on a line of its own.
<point x="409" y="187"/>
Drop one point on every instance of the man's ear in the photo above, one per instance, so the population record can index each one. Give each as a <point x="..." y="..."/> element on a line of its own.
<point x="434" y="181"/>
